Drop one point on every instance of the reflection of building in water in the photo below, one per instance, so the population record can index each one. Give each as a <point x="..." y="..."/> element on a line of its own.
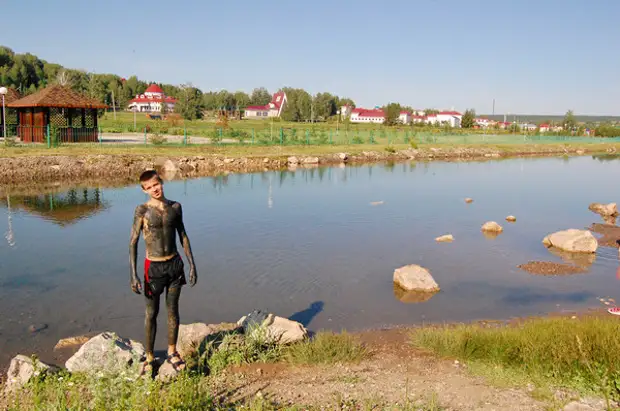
<point x="64" y="208"/>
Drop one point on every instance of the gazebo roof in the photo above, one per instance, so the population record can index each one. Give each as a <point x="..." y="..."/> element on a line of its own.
<point x="57" y="96"/>
<point x="11" y="96"/>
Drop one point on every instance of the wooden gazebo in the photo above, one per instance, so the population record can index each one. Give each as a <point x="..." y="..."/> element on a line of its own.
<point x="57" y="109"/>
<point x="11" y="119"/>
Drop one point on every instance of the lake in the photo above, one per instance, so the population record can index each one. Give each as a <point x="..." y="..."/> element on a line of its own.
<point x="308" y="245"/>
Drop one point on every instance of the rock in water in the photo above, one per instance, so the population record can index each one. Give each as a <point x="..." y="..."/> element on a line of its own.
<point x="292" y="160"/>
<point x="606" y="210"/>
<point x="415" y="278"/>
<point x="445" y="238"/>
<point x="71" y="341"/>
<point x="572" y="240"/>
<point x="492" y="226"/>
<point x="511" y="218"/>
<point x="108" y="353"/>
<point x="22" y="369"/>
<point x="469" y="200"/>
<point x="277" y="329"/>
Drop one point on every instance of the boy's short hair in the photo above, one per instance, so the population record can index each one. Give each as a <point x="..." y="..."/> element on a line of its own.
<point x="147" y="175"/>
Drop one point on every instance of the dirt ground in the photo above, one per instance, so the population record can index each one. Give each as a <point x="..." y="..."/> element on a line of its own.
<point x="396" y="374"/>
<point x="550" y="268"/>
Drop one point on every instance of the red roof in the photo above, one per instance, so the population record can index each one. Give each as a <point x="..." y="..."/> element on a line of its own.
<point x="450" y="113"/>
<point x="274" y="100"/>
<point x="152" y="100"/>
<point x="362" y="112"/>
<point x="257" y="108"/>
<point x="154" y="88"/>
<point x="544" y="125"/>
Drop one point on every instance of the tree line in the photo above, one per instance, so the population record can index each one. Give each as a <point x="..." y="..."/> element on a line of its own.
<point x="27" y="73"/>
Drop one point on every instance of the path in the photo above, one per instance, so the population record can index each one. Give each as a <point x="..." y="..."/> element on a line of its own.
<point x="396" y="374"/>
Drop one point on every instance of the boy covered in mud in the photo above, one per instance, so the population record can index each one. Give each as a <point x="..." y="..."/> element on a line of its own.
<point x="160" y="220"/>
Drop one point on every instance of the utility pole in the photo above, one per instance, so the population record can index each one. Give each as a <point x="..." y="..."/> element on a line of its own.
<point x="113" y="105"/>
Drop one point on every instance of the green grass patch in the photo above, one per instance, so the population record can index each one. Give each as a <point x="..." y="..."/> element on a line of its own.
<point x="575" y="353"/>
<point x="327" y="348"/>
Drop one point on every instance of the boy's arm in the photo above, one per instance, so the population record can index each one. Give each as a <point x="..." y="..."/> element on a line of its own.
<point x="136" y="286"/>
<point x="186" y="246"/>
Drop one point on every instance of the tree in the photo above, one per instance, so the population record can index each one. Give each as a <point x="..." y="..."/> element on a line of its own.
<point x="191" y="102"/>
<point x="242" y="100"/>
<point x="392" y="112"/>
<point x="469" y="118"/>
<point x="569" y="120"/>
<point x="260" y="96"/>
<point x="429" y="111"/>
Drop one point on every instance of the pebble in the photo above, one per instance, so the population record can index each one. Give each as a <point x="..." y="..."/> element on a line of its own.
<point x="36" y="328"/>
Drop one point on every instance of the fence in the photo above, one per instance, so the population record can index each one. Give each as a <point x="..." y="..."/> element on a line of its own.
<point x="181" y="136"/>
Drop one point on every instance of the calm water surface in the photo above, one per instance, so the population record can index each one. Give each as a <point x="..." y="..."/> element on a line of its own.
<point x="308" y="244"/>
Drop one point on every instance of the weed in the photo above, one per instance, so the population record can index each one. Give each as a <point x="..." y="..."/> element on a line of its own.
<point x="326" y="348"/>
<point x="583" y="354"/>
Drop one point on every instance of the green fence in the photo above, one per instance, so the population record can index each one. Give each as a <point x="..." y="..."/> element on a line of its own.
<point x="55" y="136"/>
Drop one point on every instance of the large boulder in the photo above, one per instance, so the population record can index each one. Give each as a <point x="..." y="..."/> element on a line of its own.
<point x="606" y="210"/>
<point x="22" y="369"/>
<point x="448" y="238"/>
<point x="192" y="336"/>
<point x="292" y="160"/>
<point x="108" y="353"/>
<point x="277" y="329"/>
<point x="572" y="240"/>
<point x="415" y="278"/>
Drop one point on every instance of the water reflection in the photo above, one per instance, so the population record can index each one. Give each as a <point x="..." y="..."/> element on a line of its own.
<point x="60" y="207"/>
<point x="411" y="297"/>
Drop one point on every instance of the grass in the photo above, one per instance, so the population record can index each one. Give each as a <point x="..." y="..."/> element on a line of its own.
<point x="327" y="348"/>
<point x="192" y="389"/>
<point x="582" y="354"/>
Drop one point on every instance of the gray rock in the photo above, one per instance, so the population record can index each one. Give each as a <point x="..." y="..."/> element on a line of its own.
<point x="310" y="160"/>
<point x="23" y="368"/>
<point x="415" y="278"/>
<point x="606" y="210"/>
<point x="572" y="240"/>
<point x="276" y="329"/>
<point x="492" y="226"/>
<point x="107" y="353"/>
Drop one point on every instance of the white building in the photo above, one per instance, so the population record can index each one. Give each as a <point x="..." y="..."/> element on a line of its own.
<point x="151" y="100"/>
<point x="362" y="115"/>
<point x="405" y="117"/>
<point x="272" y="109"/>
<point x="453" y="118"/>
<point x="484" y="122"/>
<point x="345" y="111"/>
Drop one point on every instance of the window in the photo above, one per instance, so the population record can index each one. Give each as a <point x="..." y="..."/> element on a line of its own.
<point x="258" y="113"/>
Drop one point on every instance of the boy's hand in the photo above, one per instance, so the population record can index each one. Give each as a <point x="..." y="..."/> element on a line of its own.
<point x="136" y="286"/>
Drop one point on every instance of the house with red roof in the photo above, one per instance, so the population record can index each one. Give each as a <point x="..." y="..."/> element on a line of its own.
<point x="273" y="109"/>
<point x="453" y="118"/>
<point x="151" y="100"/>
<point x="405" y="117"/>
<point x="363" y="115"/>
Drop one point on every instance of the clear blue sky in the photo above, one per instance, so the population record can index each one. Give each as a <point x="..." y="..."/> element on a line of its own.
<point x="532" y="56"/>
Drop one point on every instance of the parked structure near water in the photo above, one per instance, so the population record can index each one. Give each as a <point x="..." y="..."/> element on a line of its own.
<point x="273" y="109"/>
<point x="71" y="114"/>
<point x="152" y="100"/>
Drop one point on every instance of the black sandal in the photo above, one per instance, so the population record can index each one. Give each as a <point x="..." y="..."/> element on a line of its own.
<point x="150" y="365"/>
<point x="176" y="365"/>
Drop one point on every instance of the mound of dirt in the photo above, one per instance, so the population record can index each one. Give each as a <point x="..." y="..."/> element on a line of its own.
<point x="610" y="234"/>
<point x="549" y="268"/>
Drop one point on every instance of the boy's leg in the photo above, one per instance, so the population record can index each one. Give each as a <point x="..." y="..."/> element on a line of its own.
<point x="172" y="304"/>
<point x="150" y="325"/>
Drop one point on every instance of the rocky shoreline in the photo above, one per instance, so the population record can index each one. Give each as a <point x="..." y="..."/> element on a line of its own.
<point x="44" y="168"/>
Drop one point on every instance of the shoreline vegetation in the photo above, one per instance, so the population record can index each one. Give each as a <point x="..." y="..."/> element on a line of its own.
<point x="533" y="363"/>
<point x="124" y="162"/>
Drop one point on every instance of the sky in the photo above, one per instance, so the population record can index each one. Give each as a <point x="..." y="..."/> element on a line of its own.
<point x="530" y="56"/>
